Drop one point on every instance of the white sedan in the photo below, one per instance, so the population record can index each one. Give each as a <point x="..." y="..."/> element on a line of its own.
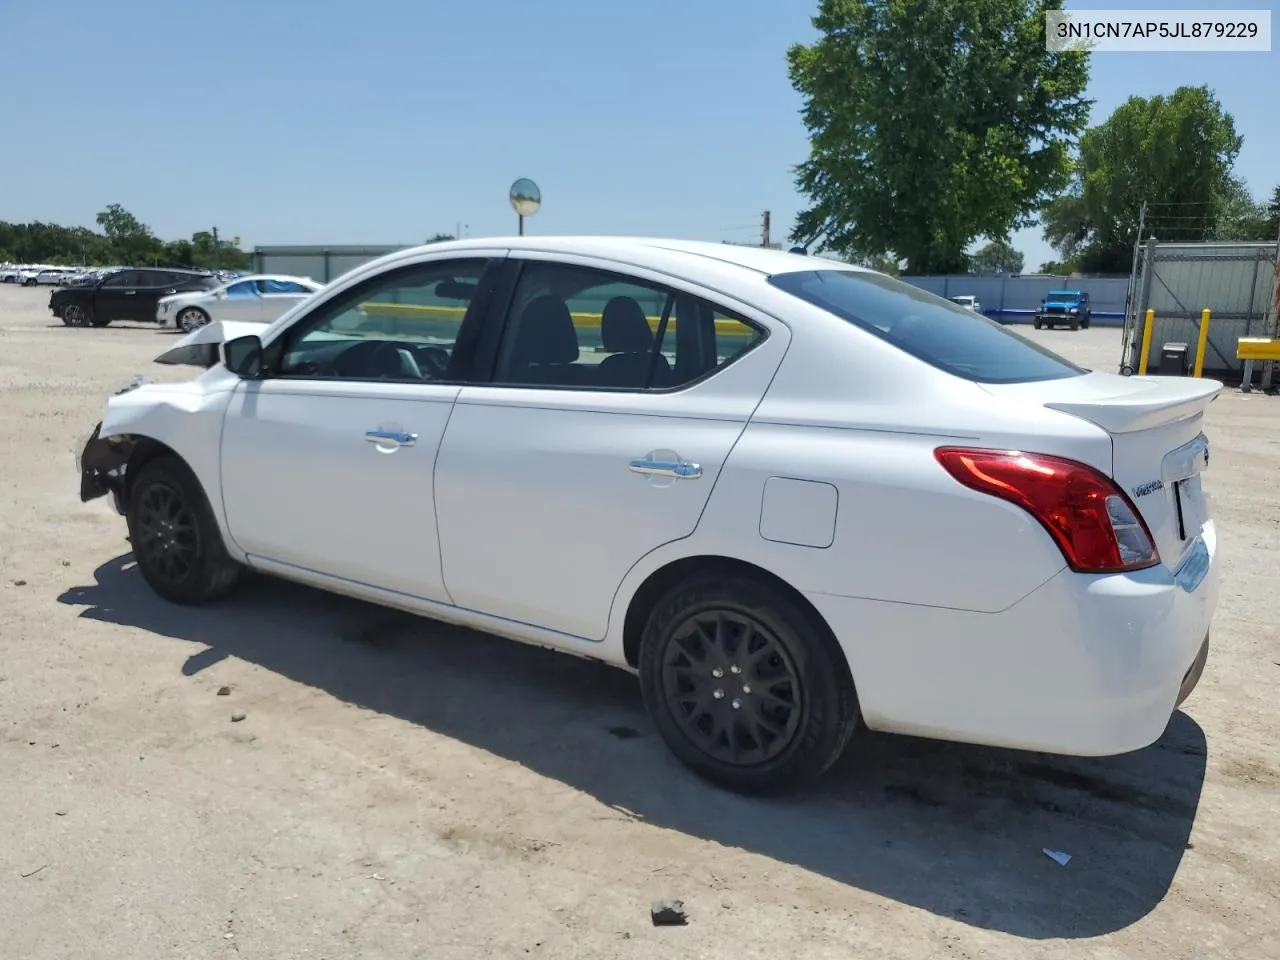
<point x="794" y="496"/>
<point x="258" y="299"/>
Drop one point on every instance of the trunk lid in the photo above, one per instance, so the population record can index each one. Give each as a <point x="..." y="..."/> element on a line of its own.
<point x="1159" y="450"/>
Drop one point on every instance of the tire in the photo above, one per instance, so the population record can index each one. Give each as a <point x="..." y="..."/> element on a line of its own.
<point x="1039" y="324"/>
<point x="1075" y="324"/>
<point x="28" y="283"/>
<point x="75" y="315"/>
<point x="190" y="318"/>
<point x="813" y="709"/>
<point x="175" y="537"/>
<point x="1084" y="324"/>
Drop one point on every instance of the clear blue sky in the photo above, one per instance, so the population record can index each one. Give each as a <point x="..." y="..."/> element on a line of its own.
<point x="385" y="121"/>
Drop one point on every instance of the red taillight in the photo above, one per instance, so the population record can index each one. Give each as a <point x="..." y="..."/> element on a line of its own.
<point x="1094" y="524"/>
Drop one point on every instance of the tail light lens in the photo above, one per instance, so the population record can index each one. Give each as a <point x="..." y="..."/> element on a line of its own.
<point x="1091" y="519"/>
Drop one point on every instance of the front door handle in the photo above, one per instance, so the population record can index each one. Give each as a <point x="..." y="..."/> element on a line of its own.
<point x="388" y="437"/>
<point x="131" y="293"/>
<point x="680" y="469"/>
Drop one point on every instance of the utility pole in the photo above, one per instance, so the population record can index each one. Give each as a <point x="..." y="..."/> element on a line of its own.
<point x="215" y="249"/>
<point x="764" y="230"/>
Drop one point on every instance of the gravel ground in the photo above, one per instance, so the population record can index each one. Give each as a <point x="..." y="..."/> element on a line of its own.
<point x="400" y="789"/>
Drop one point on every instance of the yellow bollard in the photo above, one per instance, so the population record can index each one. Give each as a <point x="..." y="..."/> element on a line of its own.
<point x="1202" y="342"/>
<point x="1146" y="342"/>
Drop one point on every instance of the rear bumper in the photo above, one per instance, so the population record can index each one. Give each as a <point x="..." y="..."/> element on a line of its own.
<point x="1084" y="665"/>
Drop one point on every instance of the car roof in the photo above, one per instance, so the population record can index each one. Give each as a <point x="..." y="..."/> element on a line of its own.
<point x="650" y="251"/>
<point x="1064" y="293"/>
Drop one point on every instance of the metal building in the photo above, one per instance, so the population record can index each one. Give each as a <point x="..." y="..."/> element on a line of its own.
<point x="321" y="263"/>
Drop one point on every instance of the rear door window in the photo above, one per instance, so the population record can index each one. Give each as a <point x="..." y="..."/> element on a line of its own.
<point x="953" y="339"/>
<point x="272" y="285"/>
<point x="574" y="326"/>
<point x="241" y="290"/>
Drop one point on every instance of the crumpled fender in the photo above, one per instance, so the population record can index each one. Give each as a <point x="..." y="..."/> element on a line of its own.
<point x="185" y="417"/>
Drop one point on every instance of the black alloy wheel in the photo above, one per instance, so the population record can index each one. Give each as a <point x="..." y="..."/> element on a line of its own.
<point x="167" y="537"/>
<point x="732" y="687"/>
<point x="745" y="683"/>
<point x="175" y="536"/>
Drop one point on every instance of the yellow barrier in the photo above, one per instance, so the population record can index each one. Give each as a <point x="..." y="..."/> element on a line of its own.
<point x="583" y="321"/>
<point x="1146" y="342"/>
<point x="1202" y="342"/>
<point x="1257" y="348"/>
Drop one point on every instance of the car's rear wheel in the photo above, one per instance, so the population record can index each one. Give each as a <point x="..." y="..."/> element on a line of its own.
<point x="745" y="686"/>
<point x="75" y="315"/>
<point x="175" y="537"/>
<point x="192" y="318"/>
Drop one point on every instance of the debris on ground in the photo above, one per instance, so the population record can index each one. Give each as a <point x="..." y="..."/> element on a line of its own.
<point x="668" y="913"/>
<point x="224" y="691"/>
<point x="19" y="583"/>
<point x="237" y="717"/>
<point x="1057" y="856"/>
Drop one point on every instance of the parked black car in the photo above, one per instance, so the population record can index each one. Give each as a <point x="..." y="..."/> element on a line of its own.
<point x="130" y="294"/>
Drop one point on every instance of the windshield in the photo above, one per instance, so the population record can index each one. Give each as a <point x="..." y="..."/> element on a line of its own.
<point x="958" y="341"/>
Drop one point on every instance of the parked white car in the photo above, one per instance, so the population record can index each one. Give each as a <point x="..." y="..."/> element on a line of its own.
<point x="968" y="301"/>
<point x="256" y="299"/>
<point x="55" y="276"/>
<point x="796" y="497"/>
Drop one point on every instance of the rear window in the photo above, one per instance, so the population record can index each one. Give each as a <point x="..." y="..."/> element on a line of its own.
<point x="958" y="341"/>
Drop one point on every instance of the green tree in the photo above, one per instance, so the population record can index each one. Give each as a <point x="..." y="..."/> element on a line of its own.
<point x="932" y="123"/>
<point x="132" y="241"/>
<point x="882" y="264"/>
<point x="998" y="256"/>
<point x="440" y="237"/>
<point x="1175" y="153"/>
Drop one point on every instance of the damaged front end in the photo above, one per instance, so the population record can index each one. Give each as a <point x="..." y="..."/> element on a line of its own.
<point x="102" y="463"/>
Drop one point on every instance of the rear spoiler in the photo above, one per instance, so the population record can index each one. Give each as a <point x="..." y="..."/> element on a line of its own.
<point x="200" y="347"/>
<point x="1142" y="403"/>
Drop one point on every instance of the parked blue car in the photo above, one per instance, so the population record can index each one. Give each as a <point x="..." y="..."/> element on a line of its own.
<point x="1064" y="308"/>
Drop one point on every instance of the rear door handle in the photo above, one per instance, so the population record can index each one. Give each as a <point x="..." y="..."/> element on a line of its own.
<point x="391" y="437"/>
<point x="680" y="469"/>
<point x="131" y="293"/>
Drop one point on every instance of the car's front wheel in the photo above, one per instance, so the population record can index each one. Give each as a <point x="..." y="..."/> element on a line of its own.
<point x="75" y="315"/>
<point x="192" y="318"/>
<point x="745" y="686"/>
<point x="175" y="537"/>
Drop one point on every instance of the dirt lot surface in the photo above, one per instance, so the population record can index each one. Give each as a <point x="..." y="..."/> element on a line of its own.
<point x="400" y="789"/>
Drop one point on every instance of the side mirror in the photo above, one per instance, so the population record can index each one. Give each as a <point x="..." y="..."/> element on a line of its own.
<point x="243" y="357"/>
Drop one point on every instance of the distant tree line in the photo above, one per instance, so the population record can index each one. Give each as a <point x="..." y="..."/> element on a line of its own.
<point x="935" y="127"/>
<point x="124" y="240"/>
